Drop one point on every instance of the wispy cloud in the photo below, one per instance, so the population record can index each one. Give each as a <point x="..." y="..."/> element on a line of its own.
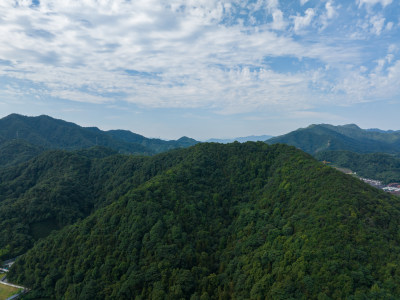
<point x="377" y="24"/>
<point x="373" y="2"/>
<point x="329" y="14"/>
<point x="301" y="22"/>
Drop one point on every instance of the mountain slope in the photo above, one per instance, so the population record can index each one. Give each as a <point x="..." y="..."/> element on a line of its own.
<point x="58" y="187"/>
<point x="324" y="137"/>
<point x="240" y="221"/>
<point x="43" y="194"/>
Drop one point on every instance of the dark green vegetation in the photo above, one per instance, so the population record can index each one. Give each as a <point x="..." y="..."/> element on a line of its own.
<point x="14" y="152"/>
<point x="59" y="187"/>
<point x="380" y="166"/>
<point x="241" y="221"/>
<point x="324" y="137"/>
<point x="48" y="133"/>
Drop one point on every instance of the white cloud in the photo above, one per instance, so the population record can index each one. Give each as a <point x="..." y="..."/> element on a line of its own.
<point x="301" y="22"/>
<point x="330" y="13"/>
<point x="379" y="84"/>
<point x="384" y="3"/>
<point x="377" y="23"/>
<point x="179" y="53"/>
<point x="392" y="48"/>
<point x="302" y="2"/>
<point x="272" y="4"/>
<point x="279" y="22"/>
<point x="79" y="96"/>
<point x="330" y="10"/>
<point x="389" y="26"/>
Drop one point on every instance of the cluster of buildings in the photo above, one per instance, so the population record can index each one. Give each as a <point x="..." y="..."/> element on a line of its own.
<point x="393" y="188"/>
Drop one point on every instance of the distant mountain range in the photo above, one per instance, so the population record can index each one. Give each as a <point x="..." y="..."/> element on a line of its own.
<point x="49" y="133"/>
<point x="324" y="137"/>
<point x="251" y="138"/>
<point x="372" y="153"/>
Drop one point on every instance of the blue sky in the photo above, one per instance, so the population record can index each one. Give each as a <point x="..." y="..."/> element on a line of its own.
<point x="202" y="68"/>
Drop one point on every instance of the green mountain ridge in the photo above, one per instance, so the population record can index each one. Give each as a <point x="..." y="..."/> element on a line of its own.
<point x="325" y="137"/>
<point x="50" y="133"/>
<point x="236" y="221"/>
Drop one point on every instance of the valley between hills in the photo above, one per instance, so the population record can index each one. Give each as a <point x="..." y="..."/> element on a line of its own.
<point x="92" y="214"/>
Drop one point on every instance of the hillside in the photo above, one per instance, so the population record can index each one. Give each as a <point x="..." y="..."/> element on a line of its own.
<point x="324" y="137"/>
<point x="237" y="221"/>
<point x="50" y="133"/>
<point x="40" y="195"/>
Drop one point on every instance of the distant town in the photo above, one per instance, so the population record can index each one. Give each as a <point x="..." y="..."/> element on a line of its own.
<point x="393" y="188"/>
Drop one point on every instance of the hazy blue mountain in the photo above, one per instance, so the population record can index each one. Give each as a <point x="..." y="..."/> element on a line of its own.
<point x="251" y="138"/>
<point x="157" y="145"/>
<point x="323" y="137"/>
<point x="380" y="130"/>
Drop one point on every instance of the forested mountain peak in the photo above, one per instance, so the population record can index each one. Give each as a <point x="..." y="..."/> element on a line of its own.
<point x="352" y="126"/>
<point x="187" y="141"/>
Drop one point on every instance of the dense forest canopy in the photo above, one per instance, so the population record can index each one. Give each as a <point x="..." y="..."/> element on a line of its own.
<point x="59" y="187"/>
<point x="241" y="221"/>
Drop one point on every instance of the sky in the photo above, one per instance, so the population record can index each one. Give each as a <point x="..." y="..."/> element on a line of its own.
<point x="202" y="68"/>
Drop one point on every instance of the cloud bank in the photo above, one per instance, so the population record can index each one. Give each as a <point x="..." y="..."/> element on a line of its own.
<point x="226" y="56"/>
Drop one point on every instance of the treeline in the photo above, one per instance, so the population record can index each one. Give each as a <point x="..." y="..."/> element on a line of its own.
<point x="236" y="221"/>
